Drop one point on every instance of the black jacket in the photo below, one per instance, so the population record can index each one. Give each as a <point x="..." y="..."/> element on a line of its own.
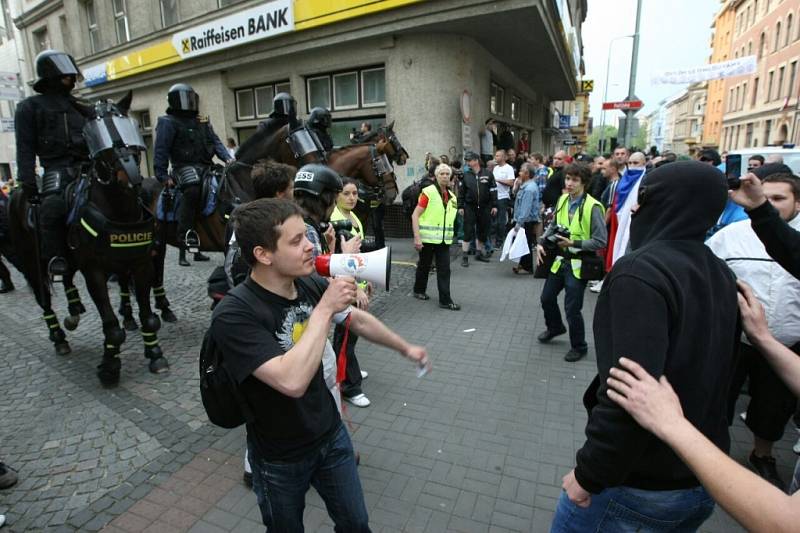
<point x="50" y="126"/>
<point x="552" y="191"/>
<point x="671" y="306"/>
<point x="480" y="190"/>
<point x="780" y="239"/>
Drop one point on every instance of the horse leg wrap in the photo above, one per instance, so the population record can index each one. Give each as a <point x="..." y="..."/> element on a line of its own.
<point x="158" y="363"/>
<point x="125" y="308"/>
<point x="56" y="333"/>
<point x="109" y="368"/>
<point x="115" y="336"/>
<point x="74" y="305"/>
<point x="161" y="298"/>
<point x="150" y="323"/>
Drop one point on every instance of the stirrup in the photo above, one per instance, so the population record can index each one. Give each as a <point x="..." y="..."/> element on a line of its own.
<point x="192" y="241"/>
<point x="57" y="268"/>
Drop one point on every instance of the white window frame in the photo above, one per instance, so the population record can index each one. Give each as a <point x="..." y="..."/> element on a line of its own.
<point x="163" y="18"/>
<point x="361" y="87"/>
<point x="333" y="90"/>
<point x="255" y="99"/>
<point x="94" y="29"/>
<point x="285" y="87"/>
<point x="500" y="98"/>
<point x="516" y="103"/>
<point x="124" y="16"/>
<point x="239" y="107"/>
<point x="308" y="90"/>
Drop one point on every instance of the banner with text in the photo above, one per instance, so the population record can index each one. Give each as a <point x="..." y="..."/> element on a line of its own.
<point x="267" y="20"/>
<point x="714" y="71"/>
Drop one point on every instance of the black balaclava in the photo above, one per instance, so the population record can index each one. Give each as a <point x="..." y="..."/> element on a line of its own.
<point x="55" y="86"/>
<point x="679" y="201"/>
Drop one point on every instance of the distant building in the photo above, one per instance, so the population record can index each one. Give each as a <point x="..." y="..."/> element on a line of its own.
<point x="721" y="40"/>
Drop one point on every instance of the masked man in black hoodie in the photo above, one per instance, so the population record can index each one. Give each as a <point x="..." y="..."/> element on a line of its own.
<point x="671" y="306"/>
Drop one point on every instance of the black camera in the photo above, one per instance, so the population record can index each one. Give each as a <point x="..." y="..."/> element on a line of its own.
<point x="551" y="241"/>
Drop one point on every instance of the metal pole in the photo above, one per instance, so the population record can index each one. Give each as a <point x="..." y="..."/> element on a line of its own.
<point x="632" y="81"/>
<point x="605" y="92"/>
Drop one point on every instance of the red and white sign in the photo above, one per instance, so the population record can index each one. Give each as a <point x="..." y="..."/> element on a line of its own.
<point x="624" y="105"/>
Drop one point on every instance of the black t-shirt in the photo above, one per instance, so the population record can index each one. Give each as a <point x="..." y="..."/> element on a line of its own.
<point x="285" y="428"/>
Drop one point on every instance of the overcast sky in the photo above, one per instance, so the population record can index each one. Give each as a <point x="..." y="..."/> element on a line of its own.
<point x="674" y="34"/>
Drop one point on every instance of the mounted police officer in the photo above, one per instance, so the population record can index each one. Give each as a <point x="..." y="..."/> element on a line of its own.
<point x="49" y="125"/>
<point x="284" y="111"/>
<point x="188" y="143"/>
<point x="318" y="122"/>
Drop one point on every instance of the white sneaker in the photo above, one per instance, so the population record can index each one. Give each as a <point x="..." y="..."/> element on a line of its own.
<point x="597" y="287"/>
<point x="364" y="374"/>
<point x="359" y="400"/>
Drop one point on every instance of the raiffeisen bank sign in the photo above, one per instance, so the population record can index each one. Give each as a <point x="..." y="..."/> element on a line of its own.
<point x="267" y="20"/>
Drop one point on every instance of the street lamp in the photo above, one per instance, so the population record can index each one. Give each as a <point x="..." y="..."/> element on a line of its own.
<point x="605" y="91"/>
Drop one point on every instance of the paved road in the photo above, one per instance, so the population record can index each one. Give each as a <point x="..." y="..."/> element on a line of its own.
<point x="480" y="444"/>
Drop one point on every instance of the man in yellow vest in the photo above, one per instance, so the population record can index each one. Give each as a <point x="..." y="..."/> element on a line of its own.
<point x="432" y="222"/>
<point x="576" y="232"/>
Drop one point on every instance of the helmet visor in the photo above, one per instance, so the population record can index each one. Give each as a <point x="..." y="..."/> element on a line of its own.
<point x="64" y="66"/>
<point x="187" y="100"/>
<point x="112" y="132"/>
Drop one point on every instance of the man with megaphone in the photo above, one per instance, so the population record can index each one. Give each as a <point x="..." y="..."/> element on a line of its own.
<point x="272" y="332"/>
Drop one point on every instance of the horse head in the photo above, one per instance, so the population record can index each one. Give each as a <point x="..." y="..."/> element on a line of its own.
<point x="115" y="143"/>
<point x="393" y="148"/>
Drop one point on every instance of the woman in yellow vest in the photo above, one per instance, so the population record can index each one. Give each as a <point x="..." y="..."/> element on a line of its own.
<point x="582" y="217"/>
<point x="351" y="386"/>
<point x="432" y="221"/>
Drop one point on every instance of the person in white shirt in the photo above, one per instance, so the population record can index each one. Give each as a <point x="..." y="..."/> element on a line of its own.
<point x="504" y="177"/>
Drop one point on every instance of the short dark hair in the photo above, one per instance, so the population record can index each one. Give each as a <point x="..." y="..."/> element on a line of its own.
<point x="581" y="170"/>
<point x="346" y="180"/>
<point x="784" y="177"/>
<point x="270" y="177"/>
<point x="711" y="155"/>
<point x="757" y="157"/>
<point x="538" y="157"/>
<point x="256" y="224"/>
<point x="368" y="125"/>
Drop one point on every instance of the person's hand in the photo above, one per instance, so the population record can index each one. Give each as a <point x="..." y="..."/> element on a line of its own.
<point x="419" y="355"/>
<point x="417" y="243"/>
<point x="330" y="237"/>
<point x="754" y="320"/>
<point x="493" y="212"/>
<point x="461" y="211"/>
<point x="750" y="194"/>
<point x="652" y="403"/>
<point x="351" y="246"/>
<point x="362" y="299"/>
<point x="564" y="242"/>
<point x="540" y="253"/>
<point x="339" y="295"/>
<point x="169" y="184"/>
<point x="575" y="492"/>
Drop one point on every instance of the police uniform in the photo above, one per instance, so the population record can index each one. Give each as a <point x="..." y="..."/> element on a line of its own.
<point x="318" y="122"/>
<point x="49" y="125"/>
<point x="188" y="143"/>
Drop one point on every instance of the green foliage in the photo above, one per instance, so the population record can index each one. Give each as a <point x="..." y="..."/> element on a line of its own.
<point x="593" y="143"/>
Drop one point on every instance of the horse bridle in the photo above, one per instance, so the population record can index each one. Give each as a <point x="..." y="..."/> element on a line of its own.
<point x="392" y="139"/>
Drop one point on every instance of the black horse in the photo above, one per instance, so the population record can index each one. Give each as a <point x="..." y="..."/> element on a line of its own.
<point x="111" y="233"/>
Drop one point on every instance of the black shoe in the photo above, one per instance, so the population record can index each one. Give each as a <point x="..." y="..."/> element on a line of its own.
<point x="547" y="335"/>
<point x="451" y="306"/>
<point x="247" y="478"/>
<point x="765" y="467"/>
<point x="488" y="253"/>
<point x="574" y="355"/>
<point x="200" y="257"/>
<point x="421" y="296"/>
<point x="8" y="478"/>
<point x="471" y="252"/>
<point x="483" y="258"/>
<point x="6" y="286"/>
<point x="182" y="258"/>
<point x="465" y="261"/>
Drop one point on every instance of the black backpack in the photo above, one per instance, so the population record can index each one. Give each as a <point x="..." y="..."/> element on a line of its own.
<point x="222" y="398"/>
<point x="410" y="194"/>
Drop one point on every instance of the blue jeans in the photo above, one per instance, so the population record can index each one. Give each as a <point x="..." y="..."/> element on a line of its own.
<point x="625" y="509"/>
<point x="573" y="305"/>
<point x="281" y="487"/>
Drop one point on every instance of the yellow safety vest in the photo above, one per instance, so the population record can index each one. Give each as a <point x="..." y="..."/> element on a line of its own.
<point x="357" y="226"/>
<point x="580" y="228"/>
<point x="436" y="222"/>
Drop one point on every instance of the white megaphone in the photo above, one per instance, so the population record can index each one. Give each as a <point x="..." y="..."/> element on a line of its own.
<point x="375" y="267"/>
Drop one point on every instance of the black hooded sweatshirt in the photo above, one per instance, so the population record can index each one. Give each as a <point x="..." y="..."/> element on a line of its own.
<point x="671" y="306"/>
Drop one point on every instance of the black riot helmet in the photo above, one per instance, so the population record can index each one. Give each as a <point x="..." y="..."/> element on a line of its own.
<point x="284" y="105"/>
<point x="181" y="97"/>
<point x="52" y="65"/>
<point x="320" y="117"/>
<point x="315" y="179"/>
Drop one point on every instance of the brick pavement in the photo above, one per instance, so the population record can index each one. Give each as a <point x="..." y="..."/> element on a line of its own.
<point x="480" y="444"/>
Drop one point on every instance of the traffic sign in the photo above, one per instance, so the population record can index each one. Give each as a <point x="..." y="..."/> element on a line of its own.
<point x="625" y="105"/>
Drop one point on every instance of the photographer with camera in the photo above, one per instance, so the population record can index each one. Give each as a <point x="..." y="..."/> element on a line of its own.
<point x="346" y="225"/>
<point x="573" y="237"/>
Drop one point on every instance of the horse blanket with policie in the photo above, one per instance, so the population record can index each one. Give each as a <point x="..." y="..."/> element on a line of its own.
<point x="115" y="239"/>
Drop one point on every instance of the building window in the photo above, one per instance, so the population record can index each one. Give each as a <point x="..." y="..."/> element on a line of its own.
<point x="762" y="44"/>
<point x="777" y="36"/>
<point x="744" y="95"/>
<point x="515" y="107"/>
<point x="781" y="72"/>
<point x="345" y="90"/>
<point x="755" y="93"/>
<point x="792" y="74"/>
<point x="169" y="13"/>
<point x="41" y="40"/>
<point x="496" y="97"/>
<point x="256" y="102"/>
<point x="788" y="30"/>
<point x="121" y="22"/>
<point x="736" y="99"/>
<point x="767" y="131"/>
<point x="530" y="114"/>
<point x="144" y="120"/>
<point x="94" y="31"/>
<point x="373" y="87"/>
<point x="770" y="79"/>
<point x="748" y="135"/>
<point x="8" y="25"/>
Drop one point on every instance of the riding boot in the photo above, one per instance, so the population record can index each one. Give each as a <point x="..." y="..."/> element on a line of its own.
<point x="201" y="257"/>
<point x="182" y="257"/>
